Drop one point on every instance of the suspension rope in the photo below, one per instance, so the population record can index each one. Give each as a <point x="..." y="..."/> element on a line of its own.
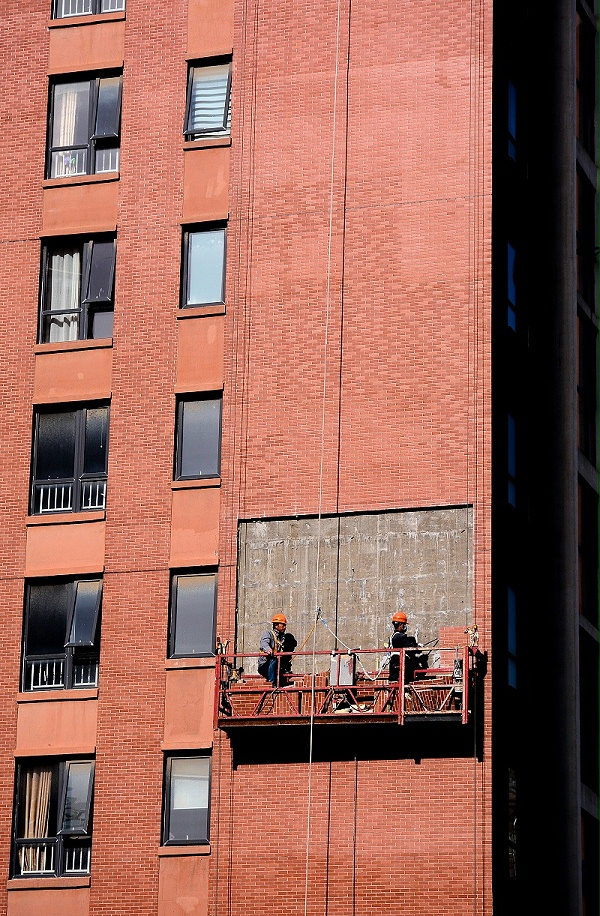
<point x="322" y="455"/>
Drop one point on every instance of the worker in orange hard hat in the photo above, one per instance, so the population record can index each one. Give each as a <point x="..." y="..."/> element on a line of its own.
<point x="274" y="666"/>
<point x="400" y="640"/>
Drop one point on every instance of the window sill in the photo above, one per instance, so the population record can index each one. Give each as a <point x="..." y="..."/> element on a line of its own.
<point x="85" y="20"/>
<point x="206" y="143"/>
<point x="98" y="178"/>
<point x="28" y="884"/>
<point x="198" y="311"/>
<point x="200" y="483"/>
<point x="66" y="345"/>
<point x="203" y="850"/>
<point x="206" y="661"/>
<point x="65" y="518"/>
<point x="59" y="695"/>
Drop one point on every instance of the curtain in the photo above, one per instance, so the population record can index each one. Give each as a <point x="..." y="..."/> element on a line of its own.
<point x="70" y="128"/>
<point x="65" y="283"/>
<point x="38" y="783"/>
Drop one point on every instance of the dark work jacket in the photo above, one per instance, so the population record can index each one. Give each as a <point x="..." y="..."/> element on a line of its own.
<point x="402" y="641"/>
<point x="270" y="641"/>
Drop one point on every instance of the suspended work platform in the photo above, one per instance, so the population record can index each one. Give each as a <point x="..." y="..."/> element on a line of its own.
<point x="346" y="686"/>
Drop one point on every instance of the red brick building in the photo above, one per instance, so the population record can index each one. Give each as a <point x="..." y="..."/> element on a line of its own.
<point x="278" y="351"/>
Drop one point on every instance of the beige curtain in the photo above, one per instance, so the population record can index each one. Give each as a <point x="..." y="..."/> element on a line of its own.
<point x="38" y="783"/>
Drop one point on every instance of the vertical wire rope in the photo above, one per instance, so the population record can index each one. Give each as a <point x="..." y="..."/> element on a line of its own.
<point x="354" y="830"/>
<point x="240" y="366"/>
<point x="322" y="455"/>
<point x="476" y="82"/>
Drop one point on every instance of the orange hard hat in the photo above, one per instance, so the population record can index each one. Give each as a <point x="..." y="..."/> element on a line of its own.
<point x="399" y="617"/>
<point x="279" y="618"/>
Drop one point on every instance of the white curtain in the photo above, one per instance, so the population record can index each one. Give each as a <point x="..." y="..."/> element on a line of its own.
<point x="65" y="283"/>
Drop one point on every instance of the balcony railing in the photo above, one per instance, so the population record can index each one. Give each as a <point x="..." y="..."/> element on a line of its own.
<point x="52" y="496"/>
<point x="52" y="856"/>
<point x="54" y="672"/>
<point x="347" y="686"/>
<point x="66" y="8"/>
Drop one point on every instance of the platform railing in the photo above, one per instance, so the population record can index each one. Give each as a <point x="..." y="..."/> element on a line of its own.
<point x="344" y="686"/>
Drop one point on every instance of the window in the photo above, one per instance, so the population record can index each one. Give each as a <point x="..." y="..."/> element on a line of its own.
<point x="203" y="266"/>
<point x="62" y="9"/>
<point x="586" y="83"/>
<point x="512" y="460"/>
<point x="77" y="289"/>
<point x="53" y="811"/>
<point x="587" y="386"/>
<point x="511" y="256"/>
<point x="186" y="807"/>
<point x="192" y="619"/>
<point x="512" y="120"/>
<point x="512" y="824"/>
<point x="198" y="437"/>
<point x="83" y="134"/>
<point x="586" y="239"/>
<point x="208" y="107"/>
<point x="70" y="459"/>
<point x="61" y="634"/>
<point x="512" y="637"/>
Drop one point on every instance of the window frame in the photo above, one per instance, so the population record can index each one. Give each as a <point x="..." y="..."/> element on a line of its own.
<point x="176" y="575"/>
<point x="95" y="11"/>
<point x="186" y="262"/>
<point x="209" y="132"/>
<point x="182" y="400"/>
<point x="80" y="477"/>
<point x="72" y="655"/>
<point x="87" y="307"/>
<point x="60" y="841"/>
<point x="96" y="142"/>
<point x="168" y="798"/>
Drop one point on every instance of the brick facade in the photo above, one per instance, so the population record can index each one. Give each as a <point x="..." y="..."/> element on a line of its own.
<point x="353" y="354"/>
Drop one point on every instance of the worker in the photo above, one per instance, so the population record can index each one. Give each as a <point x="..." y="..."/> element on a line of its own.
<point x="400" y="640"/>
<point x="273" y="666"/>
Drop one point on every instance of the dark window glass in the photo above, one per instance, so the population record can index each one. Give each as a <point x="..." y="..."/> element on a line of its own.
<point x="204" y="267"/>
<point x="198" y="438"/>
<point x="46" y="620"/>
<point x="84" y="127"/>
<point x="512" y="121"/>
<point x="55" y="451"/>
<point x="70" y="460"/>
<point x="107" y="114"/>
<point x="586" y="238"/>
<point x="187" y="794"/>
<point x="82" y="627"/>
<point x="589" y="720"/>
<point x="193" y="605"/>
<point x="587" y="385"/>
<point x="77" y="289"/>
<point x="512" y="824"/>
<point x="512" y="637"/>
<point x="95" y="456"/>
<point x="61" y="637"/>
<point x="587" y="536"/>
<point x="53" y="818"/>
<point x="586" y="84"/>
<point x="511" y="287"/>
<point x="78" y="790"/>
<point x="512" y="461"/>
<point x="208" y="109"/>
